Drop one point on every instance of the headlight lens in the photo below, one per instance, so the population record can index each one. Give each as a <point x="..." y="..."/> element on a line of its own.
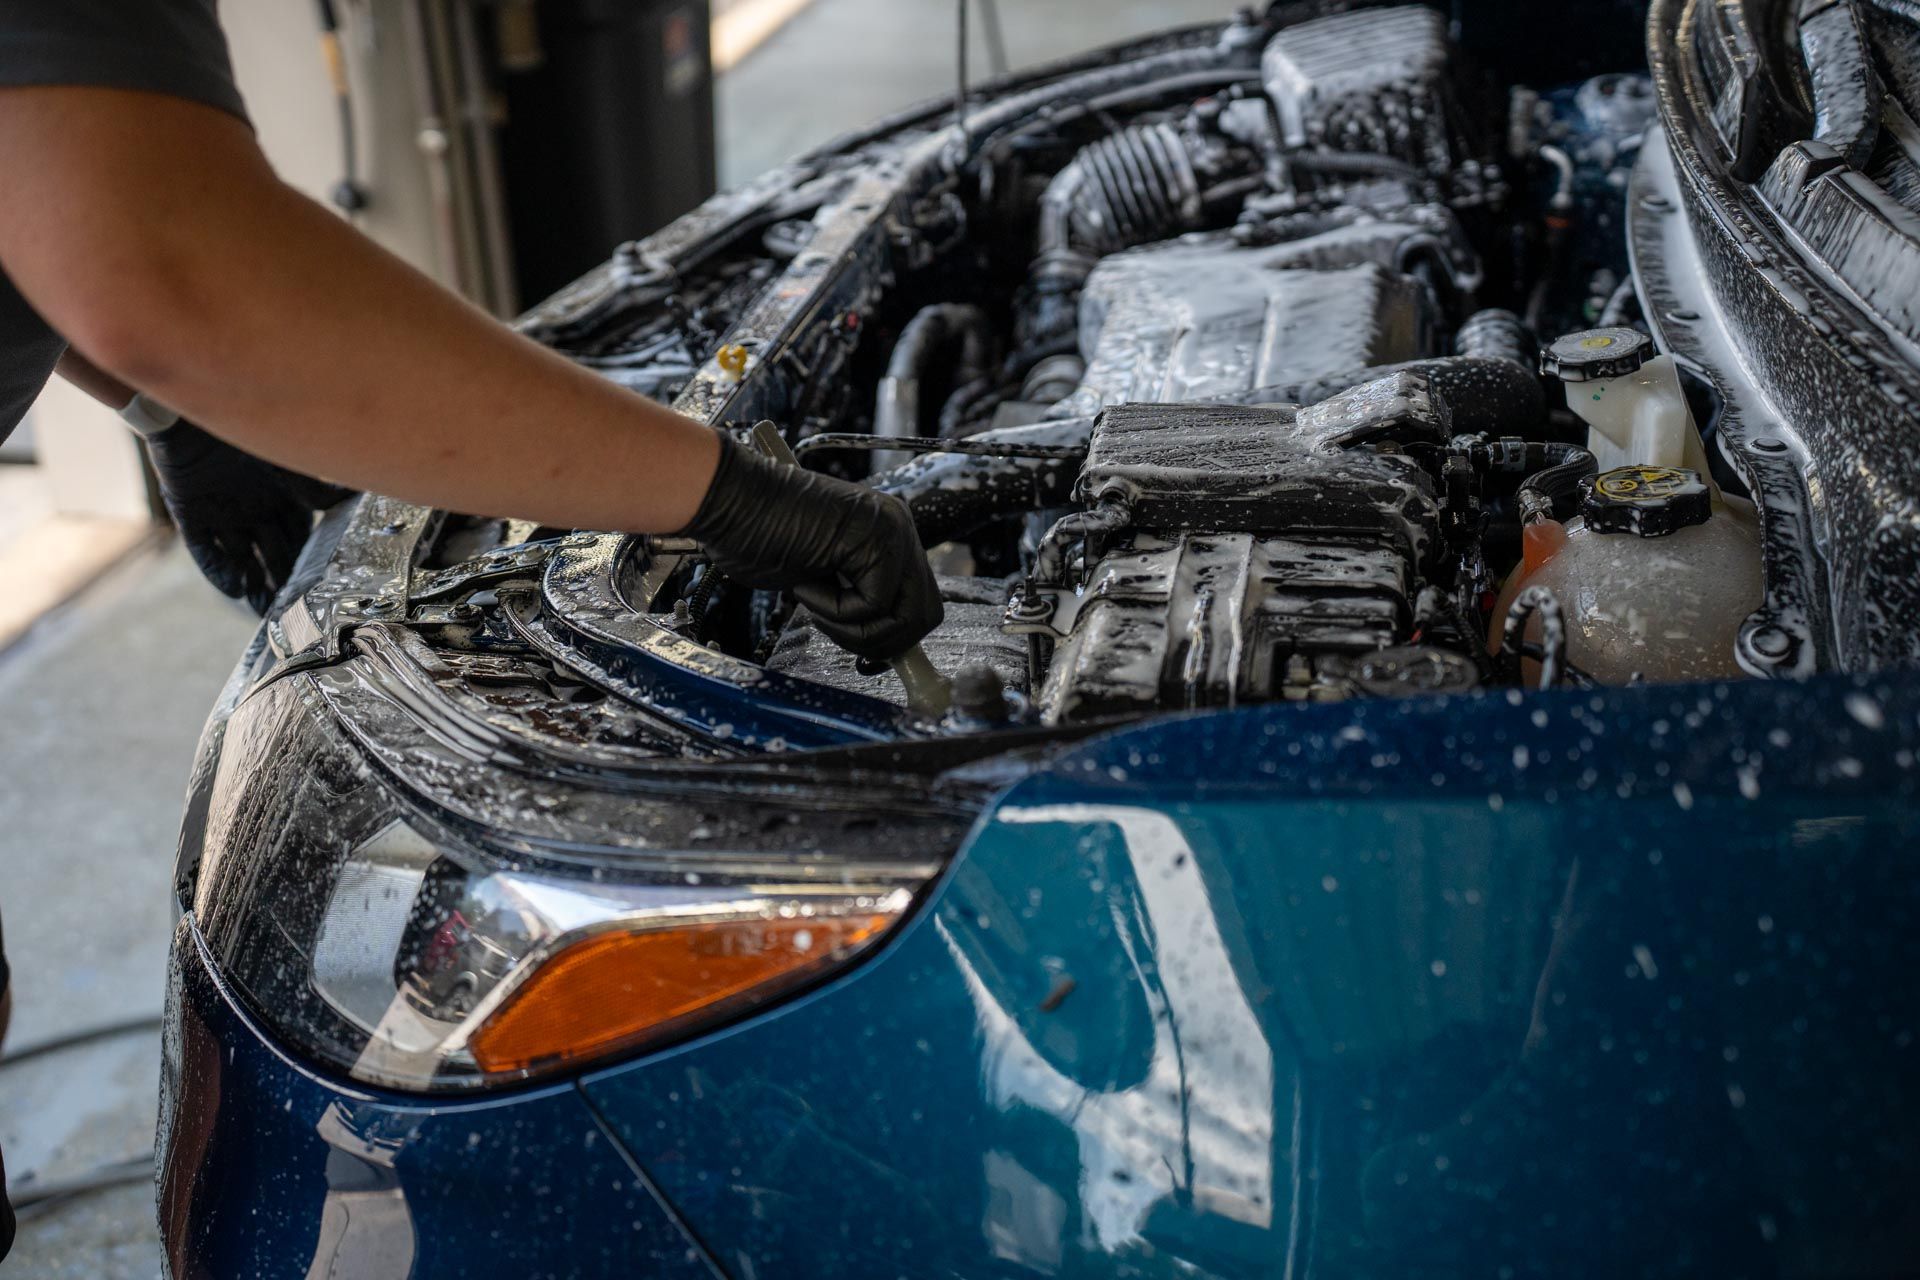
<point x="384" y="942"/>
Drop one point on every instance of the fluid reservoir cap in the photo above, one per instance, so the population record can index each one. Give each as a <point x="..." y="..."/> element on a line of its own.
<point x="1648" y="501"/>
<point x="1597" y="353"/>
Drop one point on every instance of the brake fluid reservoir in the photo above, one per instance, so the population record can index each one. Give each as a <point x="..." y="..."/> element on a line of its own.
<point x="1653" y="577"/>
<point x="1632" y="400"/>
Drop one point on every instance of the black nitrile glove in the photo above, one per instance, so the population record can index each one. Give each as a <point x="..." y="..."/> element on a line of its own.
<point x="243" y="520"/>
<point x="849" y="554"/>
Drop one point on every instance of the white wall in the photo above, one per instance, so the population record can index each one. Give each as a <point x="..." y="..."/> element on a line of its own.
<point x="276" y="53"/>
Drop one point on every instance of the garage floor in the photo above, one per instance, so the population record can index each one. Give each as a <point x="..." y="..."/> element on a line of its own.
<point x="102" y="703"/>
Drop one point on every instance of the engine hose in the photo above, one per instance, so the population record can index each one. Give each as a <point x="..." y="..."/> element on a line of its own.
<point x="1053" y="378"/>
<point x="700" y="599"/>
<point x="969" y="402"/>
<point x="941" y="329"/>
<point x="1559" y="242"/>
<point x="1553" y="634"/>
<point x="1623" y="306"/>
<point x="1128" y="188"/>
<point x="1360" y="164"/>
<point x="952" y="494"/>
<point x="1187" y="85"/>
<point x="1493" y="385"/>
<point x="1495" y="334"/>
<point x="1552" y="475"/>
<point x="936" y="328"/>
<point x="1554" y="492"/>
<point x="1050" y="564"/>
<point x="1491" y="395"/>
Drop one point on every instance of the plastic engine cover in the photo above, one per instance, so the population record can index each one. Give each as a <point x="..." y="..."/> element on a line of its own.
<point x="1194" y="320"/>
<point x="1218" y="620"/>
<point x="1253" y="470"/>
<point x="1255" y="550"/>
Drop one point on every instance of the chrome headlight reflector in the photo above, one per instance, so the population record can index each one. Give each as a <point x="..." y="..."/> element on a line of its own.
<point x="393" y="941"/>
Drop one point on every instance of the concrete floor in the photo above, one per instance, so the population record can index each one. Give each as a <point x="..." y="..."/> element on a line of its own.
<point x="102" y="704"/>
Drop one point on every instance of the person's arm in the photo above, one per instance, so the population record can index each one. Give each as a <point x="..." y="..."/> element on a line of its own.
<point x="151" y="232"/>
<point x="244" y="521"/>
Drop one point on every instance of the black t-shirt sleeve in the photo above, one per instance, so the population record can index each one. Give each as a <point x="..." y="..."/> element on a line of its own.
<point x="162" y="46"/>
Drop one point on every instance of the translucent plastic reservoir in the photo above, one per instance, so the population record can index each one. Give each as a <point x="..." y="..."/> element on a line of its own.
<point x="1658" y="609"/>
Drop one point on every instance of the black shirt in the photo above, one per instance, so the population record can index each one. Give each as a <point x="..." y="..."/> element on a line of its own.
<point x="160" y="46"/>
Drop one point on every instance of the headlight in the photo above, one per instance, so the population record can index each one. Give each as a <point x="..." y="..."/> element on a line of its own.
<point x="410" y="947"/>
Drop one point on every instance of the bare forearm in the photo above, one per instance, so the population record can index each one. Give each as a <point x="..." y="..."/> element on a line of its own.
<point x="262" y="317"/>
<point x="359" y="370"/>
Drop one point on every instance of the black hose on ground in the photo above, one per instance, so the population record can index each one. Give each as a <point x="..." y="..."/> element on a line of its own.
<point x="32" y="1198"/>
<point x="85" y="1036"/>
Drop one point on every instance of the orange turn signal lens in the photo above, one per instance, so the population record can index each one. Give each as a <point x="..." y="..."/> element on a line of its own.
<point x="615" y="989"/>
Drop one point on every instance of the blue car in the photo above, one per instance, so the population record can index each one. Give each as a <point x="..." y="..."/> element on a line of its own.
<point x="1417" y="777"/>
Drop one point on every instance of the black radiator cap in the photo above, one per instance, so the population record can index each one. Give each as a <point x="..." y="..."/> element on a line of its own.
<point x="1650" y="502"/>
<point x="1597" y="353"/>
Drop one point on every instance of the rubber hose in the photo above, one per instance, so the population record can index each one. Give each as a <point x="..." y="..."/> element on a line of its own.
<point x="1493" y="385"/>
<point x="932" y="332"/>
<point x="1128" y="188"/>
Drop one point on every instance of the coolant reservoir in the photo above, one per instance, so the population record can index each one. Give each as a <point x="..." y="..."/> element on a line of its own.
<point x="1632" y="400"/>
<point x="1654" y="578"/>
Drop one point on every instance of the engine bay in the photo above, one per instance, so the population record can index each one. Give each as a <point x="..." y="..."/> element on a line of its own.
<point x="1296" y="359"/>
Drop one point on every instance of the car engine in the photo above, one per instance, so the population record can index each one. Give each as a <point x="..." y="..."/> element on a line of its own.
<point x="1254" y="314"/>
<point x="1295" y="359"/>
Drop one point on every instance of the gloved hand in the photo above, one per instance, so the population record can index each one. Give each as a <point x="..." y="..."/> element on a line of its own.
<point x="849" y="554"/>
<point x="244" y="520"/>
